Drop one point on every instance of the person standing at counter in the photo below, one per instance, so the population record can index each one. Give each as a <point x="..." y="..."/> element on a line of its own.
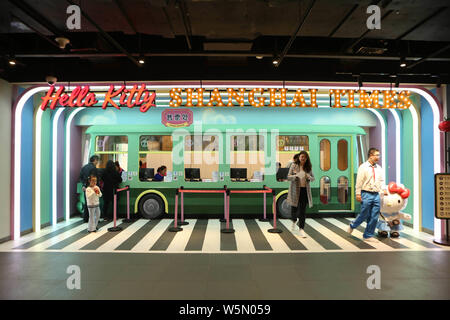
<point x="300" y="175"/>
<point x="111" y="181"/>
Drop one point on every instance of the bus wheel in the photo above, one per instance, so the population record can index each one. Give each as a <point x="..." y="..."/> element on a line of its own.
<point x="283" y="208"/>
<point x="151" y="206"/>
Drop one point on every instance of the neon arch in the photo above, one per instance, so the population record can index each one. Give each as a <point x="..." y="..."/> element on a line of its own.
<point x="432" y="101"/>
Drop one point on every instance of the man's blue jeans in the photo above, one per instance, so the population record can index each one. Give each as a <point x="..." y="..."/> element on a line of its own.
<point x="370" y="208"/>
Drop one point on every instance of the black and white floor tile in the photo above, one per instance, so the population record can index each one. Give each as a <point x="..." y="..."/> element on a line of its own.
<point x="204" y="236"/>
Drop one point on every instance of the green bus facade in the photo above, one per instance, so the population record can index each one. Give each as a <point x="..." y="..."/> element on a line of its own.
<point x="335" y="153"/>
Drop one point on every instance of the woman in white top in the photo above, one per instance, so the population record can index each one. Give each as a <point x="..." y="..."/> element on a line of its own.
<point x="300" y="174"/>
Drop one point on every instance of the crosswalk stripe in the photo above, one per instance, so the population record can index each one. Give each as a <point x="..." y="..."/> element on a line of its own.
<point x="165" y="239"/>
<point x="49" y="235"/>
<point x="58" y="238"/>
<point x="405" y="240"/>
<point x="341" y="242"/>
<point x="412" y="236"/>
<point x="74" y="238"/>
<point x="15" y="244"/>
<point x="350" y="238"/>
<point x="274" y="240"/>
<point x="212" y="236"/>
<point x="87" y="237"/>
<point x="359" y="234"/>
<point x="292" y="242"/>
<point x="137" y="236"/>
<point x="308" y="242"/>
<point x="387" y="241"/>
<point x="94" y="245"/>
<point x="197" y="238"/>
<point x="152" y="236"/>
<point x="227" y="240"/>
<point x="326" y="243"/>
<point x="181" y="238"/>
<point x="203" y="235"/>
<point x="122" y="236"/>
<point x="257" y="235"/>
<point x="243" y="240"/>
<point x="402" y="240"/>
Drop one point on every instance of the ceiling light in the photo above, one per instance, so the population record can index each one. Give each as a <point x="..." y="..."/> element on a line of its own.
<point x="275" y="61"/>
<point x="259" y="57"/>
<point x="11" y="59"/>
<point x="402" y="62"/>
<point x="141" y="59"/>
<point x="62" y="42"/>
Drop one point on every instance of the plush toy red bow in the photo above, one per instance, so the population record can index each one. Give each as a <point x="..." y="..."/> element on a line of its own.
<point x="393" y="188"/>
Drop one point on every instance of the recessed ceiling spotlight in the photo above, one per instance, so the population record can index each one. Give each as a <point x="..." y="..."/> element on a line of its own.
<point x="259" y="57"/>
<point x="141" y="59"/>
<point x="402" y="62"/>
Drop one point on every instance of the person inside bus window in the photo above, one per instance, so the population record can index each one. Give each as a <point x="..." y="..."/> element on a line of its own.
<point x="161" y="173"/>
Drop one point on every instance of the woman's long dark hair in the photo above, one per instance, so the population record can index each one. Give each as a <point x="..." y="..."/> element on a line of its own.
<point x="307" y="166"/>
<point x="110" y="166"/>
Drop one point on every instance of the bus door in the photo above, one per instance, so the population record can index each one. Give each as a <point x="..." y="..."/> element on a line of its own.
<point x="335" y="175"/>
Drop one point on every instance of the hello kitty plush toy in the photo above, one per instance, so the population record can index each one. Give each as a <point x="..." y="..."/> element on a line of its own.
<point x="391" y="204"/>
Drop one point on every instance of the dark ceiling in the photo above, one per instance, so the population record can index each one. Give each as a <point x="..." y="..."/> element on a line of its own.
<point x="322" y="40"/>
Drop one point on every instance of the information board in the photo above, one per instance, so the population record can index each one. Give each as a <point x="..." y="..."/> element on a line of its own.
<point x="442" y="195"/>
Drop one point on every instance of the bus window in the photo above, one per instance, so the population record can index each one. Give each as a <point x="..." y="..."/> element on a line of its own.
<point x="201" y="158"/>
<point x="247" y="152"/>
<point x="113" y="148"/>
<point x="342" y="190"/>
<point x="325" y="157"/>
<point x="325" y="190"/>
<point x="342" y="154"/>
<point x="154" y="152"/>
<point x="288" y="146"/>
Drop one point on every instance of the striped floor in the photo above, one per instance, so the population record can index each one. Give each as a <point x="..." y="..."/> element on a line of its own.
<point x="204" y="236"/>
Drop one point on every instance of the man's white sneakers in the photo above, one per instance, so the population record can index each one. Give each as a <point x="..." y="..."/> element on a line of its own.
<point x="370" y="240"/>
<point x="302" y="233"/>
<point x="349" y="230"/>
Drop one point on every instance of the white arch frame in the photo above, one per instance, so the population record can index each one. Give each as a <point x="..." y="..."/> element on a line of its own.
<point x="433" y="104"/>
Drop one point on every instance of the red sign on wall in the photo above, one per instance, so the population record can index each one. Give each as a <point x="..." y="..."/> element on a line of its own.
<point x="177" y="117"/>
